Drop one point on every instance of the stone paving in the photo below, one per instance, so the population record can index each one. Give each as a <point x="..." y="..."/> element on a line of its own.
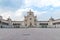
<point x="30" y="34"/>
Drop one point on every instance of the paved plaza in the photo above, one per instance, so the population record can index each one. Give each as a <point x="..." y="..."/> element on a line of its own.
<point x="30" y="34"/>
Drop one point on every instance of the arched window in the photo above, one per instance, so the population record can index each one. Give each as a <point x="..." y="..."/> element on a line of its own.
<point x="25" y="24"/>
<point x="30" y="24"/>
<point x="34" y="19"/>
<point x="25" y="20"/>
<point x="30" y="18"/>
<point x="30" y="14"/>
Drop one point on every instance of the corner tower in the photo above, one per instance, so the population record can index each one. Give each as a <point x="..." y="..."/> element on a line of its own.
<point x="30" y="19"/>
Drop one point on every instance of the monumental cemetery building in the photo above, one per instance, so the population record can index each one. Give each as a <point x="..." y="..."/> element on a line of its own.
<point x="30" y="21"/>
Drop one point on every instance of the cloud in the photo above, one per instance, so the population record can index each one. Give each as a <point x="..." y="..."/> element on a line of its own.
<point x="17" y="9"/>
<point x="18" y="14"/>
<point x="5" y="14"/>
<point x="11" y="4"/>
<point x="42" y="3"/>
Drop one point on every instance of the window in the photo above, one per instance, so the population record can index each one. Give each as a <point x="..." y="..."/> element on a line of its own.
<point x="0" y="21"/>
<point x="56" y="23"/>
<point x="35" y="23"/>
<point x="25" y="20"/>
<point x="30" y="14"/>
<point x="30" y="18"/>
<point x="16" y="24"/>
<point x="43" y="24"/>
<point x="25" y="24"/>
<point x="35" y="20"/>
<point x="5" y="23"/>
<point x="1" y="27"/>
<point x="30" y="24"/>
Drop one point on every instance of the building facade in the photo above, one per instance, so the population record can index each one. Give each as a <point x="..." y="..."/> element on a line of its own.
<point x="30" y="21"/>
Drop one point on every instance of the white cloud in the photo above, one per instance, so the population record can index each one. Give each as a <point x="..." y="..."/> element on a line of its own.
<point x="5" y="14"/>
<point x="55" y="3"/>
<point x="42" y="3"/>
<point x="18" y="14"/>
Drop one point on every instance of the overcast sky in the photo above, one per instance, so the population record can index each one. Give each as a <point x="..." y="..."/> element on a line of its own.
<point x="43" y="9"/>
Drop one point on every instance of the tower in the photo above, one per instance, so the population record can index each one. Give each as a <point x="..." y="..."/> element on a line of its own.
<point x="30" y="19"/>
<point x="50" y="23"/>
<point x="9" y="21"/>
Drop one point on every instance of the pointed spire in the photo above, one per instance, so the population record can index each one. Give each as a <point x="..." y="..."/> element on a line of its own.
<point x="52" y="19"/>
<point x="9" y="18"/>
<point x="0" y="17"/>
<point x="30" y="11"/>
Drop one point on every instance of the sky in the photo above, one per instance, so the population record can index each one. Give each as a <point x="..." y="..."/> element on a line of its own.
<point x="17" y="9"/>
